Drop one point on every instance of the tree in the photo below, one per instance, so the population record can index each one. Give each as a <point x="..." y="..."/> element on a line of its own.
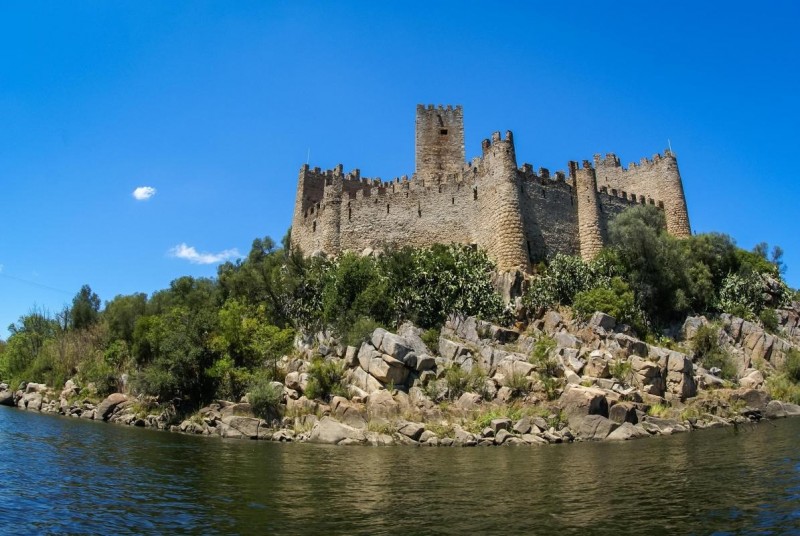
<point x="121" y="314"/>
<point x="85" y="309"/>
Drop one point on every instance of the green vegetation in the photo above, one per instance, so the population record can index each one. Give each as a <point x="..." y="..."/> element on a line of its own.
<point x="648" y="278"/>
<point x="459" y="381"/>
<point x="706" y="346"/>
<point x="659" y="410"/>
<point x="326" y="380"/>
<point x="265" y="397"/>
<point x="202" y="339"/>
<point x="621" y="370"/>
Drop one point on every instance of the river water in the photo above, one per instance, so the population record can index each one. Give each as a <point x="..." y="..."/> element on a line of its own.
<point x="72" y="476"/>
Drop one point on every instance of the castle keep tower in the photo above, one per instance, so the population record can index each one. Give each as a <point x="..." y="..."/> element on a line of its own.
<point x="518" y="215"/>
<point x="439" y="143"/>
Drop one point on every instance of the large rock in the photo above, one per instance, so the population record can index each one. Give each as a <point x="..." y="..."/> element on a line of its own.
<point x="381" y="404"/>
<point x="35" y="388"/>
<point x="332" y="432"/>
<point x="413" y="336"/>
<point x="32" y="401"/>
<point x="361" y="379"/>
<point x="412" y="430"/>
<point x="107" y="406"/>
<point x="627" y="431"/>
<point x="623" y="412"/>
<point x="777" y="410"/>
<point x="647" y="376"/>
<point x="680" y="375"/>
<point x="692" y="325"/>
<point x="6" y="398"/>
<point x="595" y="428"/>
<point x="395" y="345"/>
<point x="451" y="350"/>
<point x="236" y="427"/>
<point x="753" y="379"/>
<point x="387" y="369"/>
<point x="602" y="320"/>
<point x="753" y="398"/>
<point x="579" y="402"/>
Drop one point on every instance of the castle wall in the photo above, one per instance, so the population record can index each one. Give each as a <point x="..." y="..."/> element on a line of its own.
<point x="549" y="215"/>
<point x="408" y="214"/>
<point x="657" y="179"/>
<point x="518" y="216"/>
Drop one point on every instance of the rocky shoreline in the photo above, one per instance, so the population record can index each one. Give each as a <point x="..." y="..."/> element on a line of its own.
<point x="557" y="381"/>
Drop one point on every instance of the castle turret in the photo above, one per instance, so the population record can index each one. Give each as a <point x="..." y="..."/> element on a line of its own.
<point x="331" y="212"/>
<point x="440" y="151"/>
<point x="589" y="235"/>
<point x="671" y="192"/>
<point x="499" y="228"/>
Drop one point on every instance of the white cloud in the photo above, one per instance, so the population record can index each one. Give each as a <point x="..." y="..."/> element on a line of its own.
<point x="143" y="193"/>
<point x="189" y="253"/>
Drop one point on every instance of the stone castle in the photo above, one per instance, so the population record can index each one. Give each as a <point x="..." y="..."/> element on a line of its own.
<point x="519" y="215"/>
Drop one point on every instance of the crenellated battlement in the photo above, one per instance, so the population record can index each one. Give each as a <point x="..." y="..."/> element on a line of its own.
<point x="519" y="214"/>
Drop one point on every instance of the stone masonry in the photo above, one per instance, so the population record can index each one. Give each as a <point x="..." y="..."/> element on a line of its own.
<point x="518" y="215"/>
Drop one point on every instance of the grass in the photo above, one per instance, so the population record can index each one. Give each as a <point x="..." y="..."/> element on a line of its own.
<point x="660" y="411"/>
<point x="710" y="352"/>
<point x="621" y="370"/>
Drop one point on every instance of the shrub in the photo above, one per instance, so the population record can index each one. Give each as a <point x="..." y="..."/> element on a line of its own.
<point x="565" y="277"/>
<point x="769" y="319"/>
<point x="742" y="295"/>
<point x="551" y="386"/>
<point x="326" y="380"/>
<point x="792" y="365"/>
<point x="431" y="338"/>
<point x="459" y="381"/>
<point x="542" y="356"/>
<point x="621" y="370"/>
<point x="710" y="352"/>
<point x="359" y="331"/>
<point x="782" y="387"/>
<point x="519" y="384"/>
<point x="617" y="300"/>
<point x="265" y="397"/>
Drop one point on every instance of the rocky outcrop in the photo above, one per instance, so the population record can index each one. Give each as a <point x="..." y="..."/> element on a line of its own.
<point x="571" y="380"/>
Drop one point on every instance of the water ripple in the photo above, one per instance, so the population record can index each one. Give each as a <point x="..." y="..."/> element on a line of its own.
<point x="72" y="476"/>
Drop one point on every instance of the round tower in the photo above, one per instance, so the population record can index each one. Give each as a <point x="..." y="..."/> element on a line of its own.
<point x="499" y="229"/>
<point x="589" y="235"/>
<point x="671" y="190"/>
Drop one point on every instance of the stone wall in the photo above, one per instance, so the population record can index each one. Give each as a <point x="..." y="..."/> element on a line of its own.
<point x="656" y="179"/>
<point x="517" y="215"/>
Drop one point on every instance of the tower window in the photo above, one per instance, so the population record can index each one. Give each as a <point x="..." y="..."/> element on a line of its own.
<point x="443" y="131"/>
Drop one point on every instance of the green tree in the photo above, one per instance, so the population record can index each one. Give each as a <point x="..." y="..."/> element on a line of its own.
<point x="85" y="309"/>
<point x="121" y="315"/>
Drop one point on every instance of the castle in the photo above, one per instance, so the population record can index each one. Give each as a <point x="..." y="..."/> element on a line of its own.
<point x="519" y="215"/>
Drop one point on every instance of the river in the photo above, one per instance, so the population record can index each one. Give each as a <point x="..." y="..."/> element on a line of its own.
<point x="63" y="475"/>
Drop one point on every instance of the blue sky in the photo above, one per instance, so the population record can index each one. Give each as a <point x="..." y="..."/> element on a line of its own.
<point x="216" y="105"/>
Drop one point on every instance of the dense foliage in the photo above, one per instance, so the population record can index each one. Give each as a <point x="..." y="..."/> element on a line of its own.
<point x="665" y="277"/>
<point x="202" y="339"/>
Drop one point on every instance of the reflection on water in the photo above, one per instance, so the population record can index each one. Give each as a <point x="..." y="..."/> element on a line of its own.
<point x="72" y="476"/>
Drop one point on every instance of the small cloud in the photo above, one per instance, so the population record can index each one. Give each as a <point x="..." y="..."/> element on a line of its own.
<point x="189" y="253"/>
<point x="143" y="193"/>
<point x="1" y="268"/>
